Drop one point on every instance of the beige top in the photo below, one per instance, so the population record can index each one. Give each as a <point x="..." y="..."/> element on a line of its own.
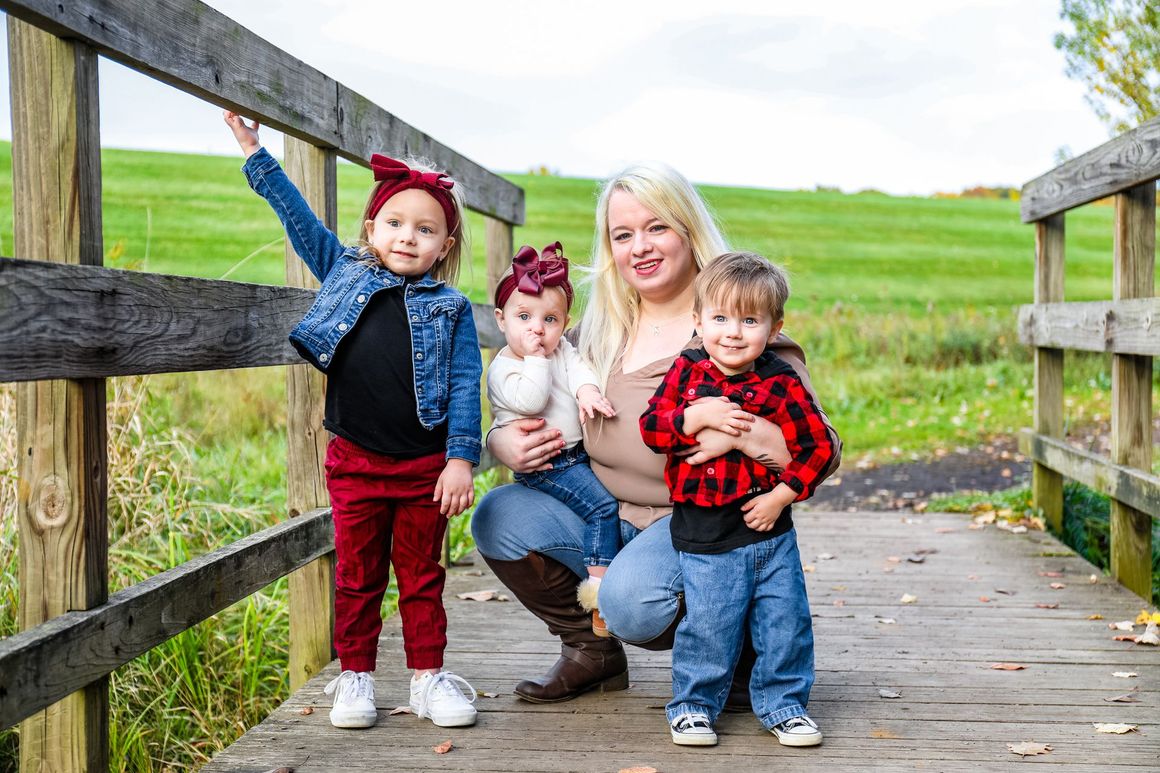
<point x="631" y="471"/>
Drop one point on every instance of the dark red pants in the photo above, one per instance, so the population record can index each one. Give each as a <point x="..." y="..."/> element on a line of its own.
<point x="384" y="514"/>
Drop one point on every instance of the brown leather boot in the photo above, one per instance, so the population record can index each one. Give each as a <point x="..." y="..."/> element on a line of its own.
<point x="548" y="589"/>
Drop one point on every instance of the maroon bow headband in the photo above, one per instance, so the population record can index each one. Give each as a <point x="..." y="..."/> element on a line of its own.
<point x="396" y="176"/>
<point x="532" y="272"/>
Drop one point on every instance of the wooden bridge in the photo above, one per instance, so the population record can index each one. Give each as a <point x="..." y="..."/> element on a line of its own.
<point x="918" y="692"/>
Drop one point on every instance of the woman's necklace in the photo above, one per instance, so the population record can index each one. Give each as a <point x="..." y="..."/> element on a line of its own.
<point x="656" y="326"/>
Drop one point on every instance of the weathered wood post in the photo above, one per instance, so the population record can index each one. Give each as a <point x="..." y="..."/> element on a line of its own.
<point x="1133" y="276"/>
<point x="1046" y="483"/>
<point x="56" y="170"/>
<point x="499" y="238"/>
<point x="314" y="171"/>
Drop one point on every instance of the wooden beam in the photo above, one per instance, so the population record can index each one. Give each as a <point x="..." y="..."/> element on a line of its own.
<point x="1122" y="327"/>
<point x="1133" y="277"/>
<point x="1128" y="161"/>
<point x="499" y="249"/>
<point x="54" y="659"/>
<point x="1046" y="484"/>
<point x="199" y="50"/>
<point x="314" y="171"/>
<point x="68" y="321"/>
<point x="61" y="432"/>
<point x="1136" y="488"/>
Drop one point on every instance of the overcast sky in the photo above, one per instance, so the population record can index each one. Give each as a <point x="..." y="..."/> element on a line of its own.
<point x="907" y="97"/>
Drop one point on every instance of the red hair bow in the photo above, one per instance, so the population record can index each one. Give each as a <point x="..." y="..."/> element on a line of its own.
<point x="532" y="272"/>
<point x="396" y="176"/>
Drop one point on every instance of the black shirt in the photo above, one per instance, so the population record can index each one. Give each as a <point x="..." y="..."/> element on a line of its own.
<point x="370" y="388"/>
<point x="699" y="529"/>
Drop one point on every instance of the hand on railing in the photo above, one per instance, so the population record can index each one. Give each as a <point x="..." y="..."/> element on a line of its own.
<point x="246" y="135"/>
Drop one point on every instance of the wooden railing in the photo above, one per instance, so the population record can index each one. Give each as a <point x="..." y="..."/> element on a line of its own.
<point x="67" y="324"/>
<point x="1128" y="327"/>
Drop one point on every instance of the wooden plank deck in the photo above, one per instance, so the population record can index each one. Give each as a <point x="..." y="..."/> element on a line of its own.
<point x="955" y="713"/>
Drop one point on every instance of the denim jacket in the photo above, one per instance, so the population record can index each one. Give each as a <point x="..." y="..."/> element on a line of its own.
<point x="446" y="359"/>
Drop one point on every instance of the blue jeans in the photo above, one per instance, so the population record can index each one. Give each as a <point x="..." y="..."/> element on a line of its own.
<point x="640" y="594"/>
<point x="760" y="586"/>
<point x="573" y="483"/>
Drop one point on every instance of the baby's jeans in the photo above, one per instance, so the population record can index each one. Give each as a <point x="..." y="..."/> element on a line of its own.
<point x="760" y="586"/>
<point x="383" y="515"/>
<point x="572" y="482"/>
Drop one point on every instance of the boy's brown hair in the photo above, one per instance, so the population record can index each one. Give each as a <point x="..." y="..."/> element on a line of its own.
<point x="744" y="282"/>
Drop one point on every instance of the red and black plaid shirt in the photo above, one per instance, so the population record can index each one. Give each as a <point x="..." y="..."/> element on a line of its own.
<point x="771" y="390"/>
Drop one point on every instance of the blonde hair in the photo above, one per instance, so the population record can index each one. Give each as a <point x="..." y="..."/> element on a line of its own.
<point x="613" y="308"/>
<point x="445" y="270"/>
<point x="744" y="283"/>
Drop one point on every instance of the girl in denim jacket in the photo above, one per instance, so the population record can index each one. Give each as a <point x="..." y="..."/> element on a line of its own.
<point x="399" y="347"/>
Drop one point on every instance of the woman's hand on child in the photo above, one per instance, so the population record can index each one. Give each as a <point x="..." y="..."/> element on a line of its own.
<point x="717" y="413"/>
<point x="246" y="135"/>
<point x="591" y="402"/>
<point x="525" y="445"/>
<point x="761" y="513"/>
<point x="455" y="491"/>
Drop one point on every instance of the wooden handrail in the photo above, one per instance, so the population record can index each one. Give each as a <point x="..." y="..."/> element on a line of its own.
<point x="1127" y="161"/>
<point x="203" y="52"/>
<point x="1121" y="327"/>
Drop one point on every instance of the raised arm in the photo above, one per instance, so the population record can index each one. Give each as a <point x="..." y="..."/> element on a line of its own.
<point x="519" y="386"/>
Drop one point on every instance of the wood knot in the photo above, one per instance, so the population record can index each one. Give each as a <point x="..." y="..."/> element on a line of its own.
<point x="50" y="502"/>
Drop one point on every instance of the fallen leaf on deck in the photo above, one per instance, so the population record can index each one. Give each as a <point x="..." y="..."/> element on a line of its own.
<point x="1128" y="697"/>
<point x="826" y="556"/>
<point x="483" y="694"/>
<point x="1047" y="606"/>
<point x="1007" y="667"/>
<point x="915" y="559"/>
<point x="972" y="576"/>
<point x="920" y="507"/>
<point x="1125" y="637"/>
<point x="1057" y="586"/>
<point x="399" y="710"/>
<point x="1123" y="625"/>
<point x="1117" y="728"/>
<point x="482" y="595"/>
<point x="893" y="559"/>
<point x="306" y="711"/>
<point x="1096" y="616"/>
<point x="944" y="530"/>
<point x="976" y="526"/>
<point x="1125" y="674"/>
<point x="1093" y="578"/>
<point x="881" y="732"/>
<point x="839" y="602"/>
<point x="1019" y="529"/>
<point x="838" y="587"/>
<point x="1150" y="636"/>
<point x="985" y="518"/>
<point x="1005" y="592"/>
<point x="1146" y="617"/>
<point x="886" y="620"/>
<point x="282" y="769"/>
<point x="638" y="769"/>
<point x="1051" y="574"/>
<point x="1029" y="748"/>
<point x="808" y="568"/>
<point x="888" y="694"/>
<point x="907" y="599"/>
<point x="442" y="748"/>
<point x="985" y="599"/>
<point x="926" y="551"/>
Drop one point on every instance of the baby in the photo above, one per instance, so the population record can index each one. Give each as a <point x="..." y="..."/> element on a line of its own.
<point x="540" y="374"/>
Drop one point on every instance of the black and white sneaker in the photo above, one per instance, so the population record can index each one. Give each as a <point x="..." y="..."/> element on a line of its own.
<point x="797" y="731"/>
<point x="693" y="730"/>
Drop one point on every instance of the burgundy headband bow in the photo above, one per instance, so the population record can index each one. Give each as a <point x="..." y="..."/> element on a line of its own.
<point x="396" y="176"/>
<point x="532" y="272"/>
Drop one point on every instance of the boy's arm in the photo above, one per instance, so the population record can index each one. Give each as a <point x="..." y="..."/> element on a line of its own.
<point x="662" y="423"/>
<point x="521" y="387"/>
<point x="313" y="241"/>
<point x="807" y="438"/>
<point x="464" y="414"/>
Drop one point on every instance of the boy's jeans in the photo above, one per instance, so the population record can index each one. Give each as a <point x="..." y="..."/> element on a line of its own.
<point x="759" y="585"/>
<point x="572" y="482"/>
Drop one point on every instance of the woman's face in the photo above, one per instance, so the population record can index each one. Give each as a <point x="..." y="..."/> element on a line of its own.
<point x="650" y="255"/>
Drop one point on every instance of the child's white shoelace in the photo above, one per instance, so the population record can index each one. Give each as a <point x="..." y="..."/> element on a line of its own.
<point x="350" y="685"/>
<point x="448" y="683"/>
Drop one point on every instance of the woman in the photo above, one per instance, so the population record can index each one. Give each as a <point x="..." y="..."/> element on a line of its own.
<point x="653" y="234"/>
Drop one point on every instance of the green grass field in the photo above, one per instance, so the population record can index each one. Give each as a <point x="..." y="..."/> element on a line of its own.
<point x="905" y="306"/>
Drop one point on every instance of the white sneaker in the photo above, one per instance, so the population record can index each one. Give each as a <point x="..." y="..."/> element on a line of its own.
<point x="443" y="698"/>
<point x="354" y="699"/>
<point x="693" y="730"/>
<point x="797" y="731"/>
